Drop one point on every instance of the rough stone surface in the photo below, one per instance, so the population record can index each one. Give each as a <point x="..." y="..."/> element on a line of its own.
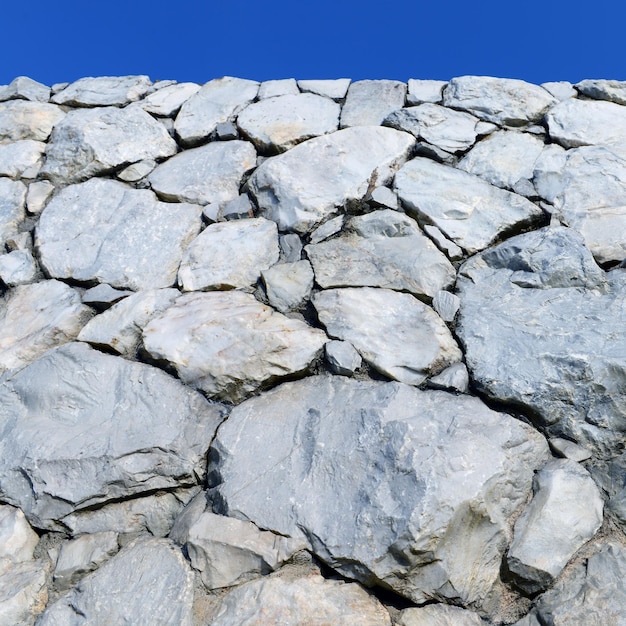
<point x="168" y="100"/>
<point x="24" y="88"/>
<point x="335" y="88"/>
<point x="342" y="358"/>
<point x="288" y="284"/>
<point x="18" y="268"/>
<point x="28" y="120"/>
<point x="37" y="196"/>
<point x="569" y="449"/>
<point x="281" y="87"/>
<point x="103" y="91"/>
<point x="438" y="615"/>
<point x="17" y="539"/>
<point x="327" y="229"/>
<point x="611" y="90"/>
<point x="21" y="159"/>
<point x="137" y="171"/>
<point x="447" y="305"/>
<point x="23" y="592"/>
<point x="369" y="102"/>
<point x="290" y="247"/>
<point x="12" y="198"/>
<point x="561" y="90"/>
<point x="453" y="378"/>
<point x="102" y="296"/>
<point x="424" y="91"/>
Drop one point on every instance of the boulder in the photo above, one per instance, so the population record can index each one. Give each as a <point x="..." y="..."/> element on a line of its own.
<point x="20" y="119"/>
<point x="611" y="90"/>
<point x="103" y="91"/>
<point x="167" y="101"/>
<point x="369" y="102"/>
<point x="335" y="89"/>
<point x="288" y="284"/>
<point x="21" y="159"/>
<point x="12" y="198"/>
<point x="24" y="88"/>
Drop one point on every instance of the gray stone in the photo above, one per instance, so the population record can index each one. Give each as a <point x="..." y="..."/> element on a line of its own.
<point x="23" y="592"/>
<point x="126" y="237"/>
<point x="18" y="268"/>
<point x="103" y="91"/>
<point x="119" y="328"/>
<point x="36" y="318"/>
<point x="89" y="142"/>
<point x="208" y="174"/>
<point x="385" y="197"/>
<point x="229" y="255"/>
<point x="228" y="344"/>
<point x="300" y="188"/>
<point x="424" y="91"/>
<point x="422" y="483"/>
<point x="330" y="88"/>
<point x="24" y="88"/>
<point x="288" y="284"/>
<point x="394" y="332"/>
<point x="453" y="378"/>
<point x="277" y="124"/>
<point x="103" y="296"/>
<point x="342" y="358"/>
<point x="451" y="131"/>
<point x="82" y="428"/>
<point x="20" y="241"/>
<point x="227" y="551"/>
<point x="505" y="159"/>
<point x="565" y="512"/>
<point x="450" y="249"/>
<point x="425" y="149"/>
<point x="17" y="539"/>
<point x="609" y="475"/>
<point x="382" y="249"/>
<point x="464" y="207"/>
<point x="152" y="568"/>
<point x="137" y="171"/>
<point x="611" y="90"/>
<point x="225" y="131"/>
<point x="290" y="248"/>
<point x="167" y="101"/>
<point x="37" y="196"/>
<point x="327" y="229"/>
<point x="28" y="120"/>
<point x="282" y="87"/>
<point x="83" y="555"/>
<point x="568" y="449"/>
<point x="369" y="102"/>
<point x="438" y="615"/>
<point x="447" y="305"/>
<point x="21" y="159"/>
<point x="561" y="90"/>
<point x="217" y="101"/>
<point x="536" y="312"/>
<point x="187" y="517"/>
<point x="238" y="209"/>
<point x="310" y="600"/>
<point x="12" y="198"/>
<point x="505" y="101"/>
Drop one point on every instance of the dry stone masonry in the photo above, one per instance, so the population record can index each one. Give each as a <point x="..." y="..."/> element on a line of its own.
<point x="312" y="352"/>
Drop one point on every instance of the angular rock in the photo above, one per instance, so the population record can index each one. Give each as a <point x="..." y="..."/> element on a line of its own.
<point x="103" y="91"/>
<point x="12" y="198"/>
<point x="290" y="248"/>
<point x="35" y="318"/>
<point x="464" y="207"/>
<point x="102" y="296"/>
<point x="137" y="171"/>
<point x="382" y="249"/>
<point x="310" y="600"/>
<point x="126" y="238"/>
<point x="217" y="101"/>
<point x="342" y="358"/>
<point x="229" y="255"/>
<point x="24" y="88"/>
<point x="385" y="197"/>
<point x="277" y="124"/>
<point x="82" y="428"/>
<point x="611" y="90"/>
<point x="17" y="539"/>
<point x="89" y="142"/>
<point x="187" y="517"/>
<point x="561" y="90"/>
<point x="21" y="159"/>
<point x="536" y="312"/>
<point x="152" y="568"/>
<point x="505" y="101"/>
<point x="18" y="268"/>
<point x="565" y="512"/>
<point x="330" y="88"/>
<point x="453" y="378"/>
<point x="225" y="131"/>
<point x="167" y="101"/>
<point x="37" y="196"/>
<point x="287" y="284"/>
<point x="273" y="88"/>
<point x="452" y="251"/>
<point x="397" y="334"/>
<point x="447" y="305"/>
<point x="300" y="188"/>
<point x="569" y="450"/>
<point x="228" y="344"/>
<point x="423" y="483"/>
<point x="28" y="120"/>
<point x="327" y="229"/>
<point x="238" y="209"/>
<point x="23" y="592"/>
<point x="438" y="615"/>
<point x="204" y="175"/>
<point x="369" y="102"/>
<point x="424" y="91"/>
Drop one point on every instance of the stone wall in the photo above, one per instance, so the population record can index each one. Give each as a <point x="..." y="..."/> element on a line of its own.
<point x="312" y="352"/>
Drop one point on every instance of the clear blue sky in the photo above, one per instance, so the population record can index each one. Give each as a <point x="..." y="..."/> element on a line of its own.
<point x="193" y="40"/>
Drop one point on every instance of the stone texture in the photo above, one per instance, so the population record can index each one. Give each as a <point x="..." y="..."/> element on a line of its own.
<point x="137" y="171"/>
<point x="229" y="255"/>
<point x="611" y="90"/>
<point x="103" y="91"/>
<point x="37" y="196"/>
<point x="561" y="90"/>
<point x="453" y="378"/>
<point x="290" y="247"/>
<point x="126" y="237"/>
<point x="18" y="268"/>
<point x="330" y="88"/>
<point x="369" y="102"/>
<point x="397" y="334"/>
<point x="24" y="88"/>
<point x="28" y="120"/>
<point x="447" y="305"/>
<point x="464" y="207"/>
<point x="452" y="251"/>
<point x="17" y="539"/>
<point x="300" y="188"/>
<point x="288" y="284"/>
<point x="12" y="198"/>
<point x="422" y="483"/>
<point x="424" y="91"/>
<point x="23" y="592"/>
<point x="21" y="159"/>
<point x="81" y="428"/>
<point x="342" y="358"/>
<point x="385" y="197"/>
<point x="204" y="175"/>
<point x="327" y="229"/>
<point x="167" y="101"/>
<point x="228" y="344"/>
<point x="438" y="615"/>
<point x="568" y="449"/>
<point x="102" y="296"/>
<point x="281" y="87"/>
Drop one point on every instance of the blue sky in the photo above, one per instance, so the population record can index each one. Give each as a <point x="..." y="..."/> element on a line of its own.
<point x="192" y="40"/>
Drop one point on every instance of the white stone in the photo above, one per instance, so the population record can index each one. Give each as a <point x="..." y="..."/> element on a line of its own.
<point x="168" y="100"/>
<point x="561" y="90"/>
<point x="424" y="91"/>
<point x="438" y="615"/>
<point x="17" y="539"/>
<point x="569" y="450"/>
<point x="282" y="87"/>
<point x="327" y="229"/>
<point x="453" y="378"/>
<point x="12" y="199"/>
<point x="369" y="102"/>
<point x="20" y="119"/>
<point x="342" y="358"/>
<point x="335" y="89"/>
<point x="612" y="90"/>
<point x="24" y="88"/>
<point x="18" y="268"/>
<point x="37" y="196"/>
<point x="21" y="159"/>
<point x="288" y="284"/>
<point x="447" y="305"/>
<point x="453" y="252"/>
<point x="385" y="197"/>
<point x="137" y="171"/>
<point x="103" y="91"/>
<point x="23" y="592"/>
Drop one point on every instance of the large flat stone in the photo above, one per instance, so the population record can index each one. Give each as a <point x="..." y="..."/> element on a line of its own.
<point x="103" y="91"/>
<point x="369" y="102"/>
<point x="599" y="89"/>
<point x="21" y="159"/>
<point x="168" y="100"/>
<point x="20" y="119"/>
<point x="24" y="88"/>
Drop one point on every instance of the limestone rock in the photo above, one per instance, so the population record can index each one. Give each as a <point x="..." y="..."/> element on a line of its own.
<point x="447" y="305"/>
<point x="238" y="209"/>
<point x="369" y="102"/>
<point x="277" y="124"/>
<point x="611" y="90"/>
<point x="342" y="358"/>
<point x="228" y="344"/>
<point x="211" y="173"/>
<point x="17" y="539"/>
<point x="300" y="188"/>
<point x="452" y="251"/>
<point x="12" y="197"/>
<point x="288" y="284"/>
<point x="424" y="91"/>
<point x="290" y="248"/>
<point x="438" y="615"/>
<point x="397" y="334"/>
<point x="21" y="159"/>
<point x="102" y="296"/>
<point x="386" y="198"/>
<point x="327" y="229"/>
<point x="137" y="171"/>
<point x="24" y="88"/>
<point x="28" y="120"/>
<point x="167" y="101"/>
<point x="103" y="91"/>
<point x="281" y="87"/>
<point x="23" y="592"/>
<point x="568" y="449"/>
<point x="126" y="239"/>
<point x="609" y="475"/>
<point x="335" y="89"/>
<point x="82" y="428"/>
<point x="423" y="483"/>
<point x="229" y="255"/>
<point x="453" y="378"/>
<point x="561" y="90"/>
<point x="18" y="268"/>
<point x="382" y="249"/>
<point x="37" y="196"/>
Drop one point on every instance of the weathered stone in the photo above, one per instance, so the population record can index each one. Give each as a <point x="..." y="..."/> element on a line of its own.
<point x="438" y="615"/>
<point x="290" y="248"/>
<point x="422" y="483"/>
<point x="453" y="378"/>
<point x="126" y="238"/>
<point x="211" y="173"/>
<point x="28" y="120"/>
<point x="103" y="91"/>
<point x="300" y="188"/>
<point x="609" y="475"/>
<point x="23" y="592"/>
<point x="88" y="142"/>
<point x="342" y="358"/>
<point x="17" y="539"/>
<point x="310" y="600"/>
<point x="168" y="100"/>
<point x="505" y="101"/>
<point x="612" y="90"/>
<point x="382" y="249"/>
<point x="187" y="517"/>
<point x="330" y="88"/>
<point x="327" y="229"/>
<point x="229" y="255"/>
<point x="288" y="284"/>
<point x="37" y="196"/>
<point x="464" y="207"/>
<point x="561" y="90"/>
<point x="24" y="88"/>
<point x="240" y="208"/>
<point x="137" y="171"/>
<point x="396" y="333"/>
<point x="424" y="91"/>
<point x="568" y="449"/>
<point x="282" y="87"/>
<point x="217" y="101"/>
<point x="449" y="248"/>
<point x="20" y="241"/>
<point x="12" y="198"/>
<point x="82" y="428"/>
<point x="21" y="159"/>
<point x="102" y="296"/>
<point x="35" y="318"/>
<point x="536" y="312"/>
<point x="225" y="131"/>
<point x="18" y="268"/>
<point x="447" y="305"/>
<point x="369" y="102"/>
<point x="228" y="344"/>
<point x="385" y="197"/>
<point x="119" y="328"/>
<point x="152" y="568"/>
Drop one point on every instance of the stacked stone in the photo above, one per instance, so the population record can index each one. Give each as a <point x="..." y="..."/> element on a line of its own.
<point x="312" y="352"/>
